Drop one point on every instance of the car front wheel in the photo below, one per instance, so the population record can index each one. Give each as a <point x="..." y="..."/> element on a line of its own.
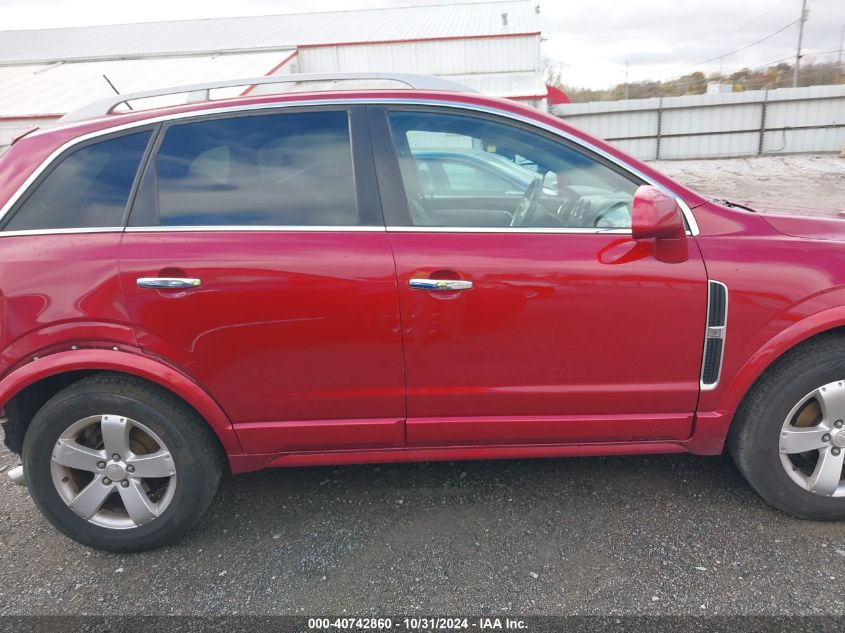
<point x="119" y="464"/>
<point x="788" y="438"/>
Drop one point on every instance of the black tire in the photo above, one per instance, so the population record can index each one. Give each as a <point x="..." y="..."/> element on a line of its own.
<point x="753" y="441"/>
<point x="196" y="455"/>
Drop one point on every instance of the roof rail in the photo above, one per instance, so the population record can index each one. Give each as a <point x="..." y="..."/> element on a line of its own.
<point x="201" y="92"/>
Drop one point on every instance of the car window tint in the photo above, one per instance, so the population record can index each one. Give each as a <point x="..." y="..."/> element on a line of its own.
<point x="88" y="188"/>
<point x="426" y="179"/>
<point x="507" y="176"/>
<point x="463" y="177"/>
<point x="288" y="169"/>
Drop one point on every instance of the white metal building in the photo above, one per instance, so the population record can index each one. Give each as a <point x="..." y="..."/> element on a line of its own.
<point x="492" y="47"/>
<point x="756" y="122"/>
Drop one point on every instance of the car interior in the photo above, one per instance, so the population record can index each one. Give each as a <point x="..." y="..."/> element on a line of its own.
<point x="552" y="185"/>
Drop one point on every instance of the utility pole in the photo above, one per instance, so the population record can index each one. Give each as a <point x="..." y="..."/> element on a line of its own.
<point x="626" y="79"/>
<point x="801" y="21"/>
<point x="841" y="41"/>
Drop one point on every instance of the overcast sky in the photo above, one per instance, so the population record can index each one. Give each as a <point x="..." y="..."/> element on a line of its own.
<point x="593" y="39"/>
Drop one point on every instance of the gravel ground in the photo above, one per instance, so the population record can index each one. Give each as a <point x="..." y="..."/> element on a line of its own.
<point x="644" y="535"/>
<point x="628" y="535"/>
<point x="800" y="180"/>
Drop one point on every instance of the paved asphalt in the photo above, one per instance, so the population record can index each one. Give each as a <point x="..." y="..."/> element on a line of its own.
<point x="624" y="535"/>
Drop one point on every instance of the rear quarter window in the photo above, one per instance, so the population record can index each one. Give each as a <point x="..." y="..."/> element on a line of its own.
<point x="87" y="188"/>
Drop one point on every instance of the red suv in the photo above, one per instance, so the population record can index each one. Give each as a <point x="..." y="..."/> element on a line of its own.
<point x="277" y="280"/>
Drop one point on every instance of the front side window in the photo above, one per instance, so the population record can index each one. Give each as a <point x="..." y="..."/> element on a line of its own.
<point x="280" y="169"/>
<point x="468" y="177"/>
<point x="88" y="188"/>
<point x="500" y="175"/>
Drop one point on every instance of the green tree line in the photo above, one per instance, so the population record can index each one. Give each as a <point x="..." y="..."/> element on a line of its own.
<point x="777" y="76"/>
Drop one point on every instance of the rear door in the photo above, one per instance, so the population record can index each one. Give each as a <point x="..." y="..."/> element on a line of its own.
<point x="549" y="324"/>
<point x="257" y="262"/>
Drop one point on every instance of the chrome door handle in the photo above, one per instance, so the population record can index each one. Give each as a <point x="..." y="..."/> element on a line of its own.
<point x="168" y="282"/>
<point x="440" y="284"/>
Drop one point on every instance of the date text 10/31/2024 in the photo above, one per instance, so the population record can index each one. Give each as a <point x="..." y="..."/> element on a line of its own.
<point x="417" y="624"/>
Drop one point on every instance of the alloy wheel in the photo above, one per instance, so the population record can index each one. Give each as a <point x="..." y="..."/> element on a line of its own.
<point x="113" y="471"/>
<point x="812" y="441"/>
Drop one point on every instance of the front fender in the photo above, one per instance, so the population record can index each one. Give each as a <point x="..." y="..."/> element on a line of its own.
<point x="714" y="418"/>
<point x="774" y="348"/>
<point x="127" y="363"/>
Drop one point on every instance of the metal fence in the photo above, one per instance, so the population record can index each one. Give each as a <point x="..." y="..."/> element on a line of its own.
<point x="784" y="121"/>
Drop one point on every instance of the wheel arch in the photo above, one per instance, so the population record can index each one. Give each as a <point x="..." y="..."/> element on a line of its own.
<point x="715" y="419"/>
<point x="825" y="323"/>
<point x="45" y="376"/>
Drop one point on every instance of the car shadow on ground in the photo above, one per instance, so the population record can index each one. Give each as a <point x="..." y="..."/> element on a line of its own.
<point x="639" y="534"/>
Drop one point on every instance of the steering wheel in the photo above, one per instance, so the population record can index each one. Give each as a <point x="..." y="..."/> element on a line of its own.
<point x="526" y="210"/>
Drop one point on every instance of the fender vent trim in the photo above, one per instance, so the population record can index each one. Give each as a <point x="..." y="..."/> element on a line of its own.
<point x="714" y="335"/>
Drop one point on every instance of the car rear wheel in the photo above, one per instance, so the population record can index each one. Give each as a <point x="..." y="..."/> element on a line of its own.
<point x="788" y="438"/>
<point x="120" y="464"/>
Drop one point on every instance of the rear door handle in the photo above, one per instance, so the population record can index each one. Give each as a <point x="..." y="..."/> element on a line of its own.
<point x="168" y="282"/>
<point x="440" y="284"/>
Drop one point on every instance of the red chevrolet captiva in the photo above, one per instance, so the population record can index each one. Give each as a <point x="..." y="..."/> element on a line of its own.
<point x="402" y="272"/>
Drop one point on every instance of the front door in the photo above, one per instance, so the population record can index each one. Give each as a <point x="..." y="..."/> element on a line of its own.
<point x="536" y="318"/>
<point x="256" y="261"/>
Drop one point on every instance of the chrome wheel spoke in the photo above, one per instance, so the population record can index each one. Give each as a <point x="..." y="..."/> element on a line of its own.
<point x="142" y="482"/>
<point x="138" y="505"/>
<point x="72" y="454"/>
<point x="115" y="435"/>
<point x="832" y="400"/>
<point x="816" y="424"/>
<point x="800" y="440"/>
<point x="158" y="464"/>
<point x="89" y="501"/>
<point x="827" y="474"/>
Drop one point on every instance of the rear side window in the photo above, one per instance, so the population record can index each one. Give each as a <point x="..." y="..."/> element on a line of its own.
<point x="88" y="188"/>
<point x="280" y="169"/>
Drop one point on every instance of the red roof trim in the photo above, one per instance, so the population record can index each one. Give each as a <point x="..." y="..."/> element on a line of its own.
<point x="425" y="39"/>
<point x="24" y="117"/>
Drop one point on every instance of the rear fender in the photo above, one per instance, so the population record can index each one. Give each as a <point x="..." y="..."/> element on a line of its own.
<point x="128" y="363"/>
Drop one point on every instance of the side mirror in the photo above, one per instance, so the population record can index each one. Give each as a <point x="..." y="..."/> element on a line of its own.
<point x="656" y="214"/>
